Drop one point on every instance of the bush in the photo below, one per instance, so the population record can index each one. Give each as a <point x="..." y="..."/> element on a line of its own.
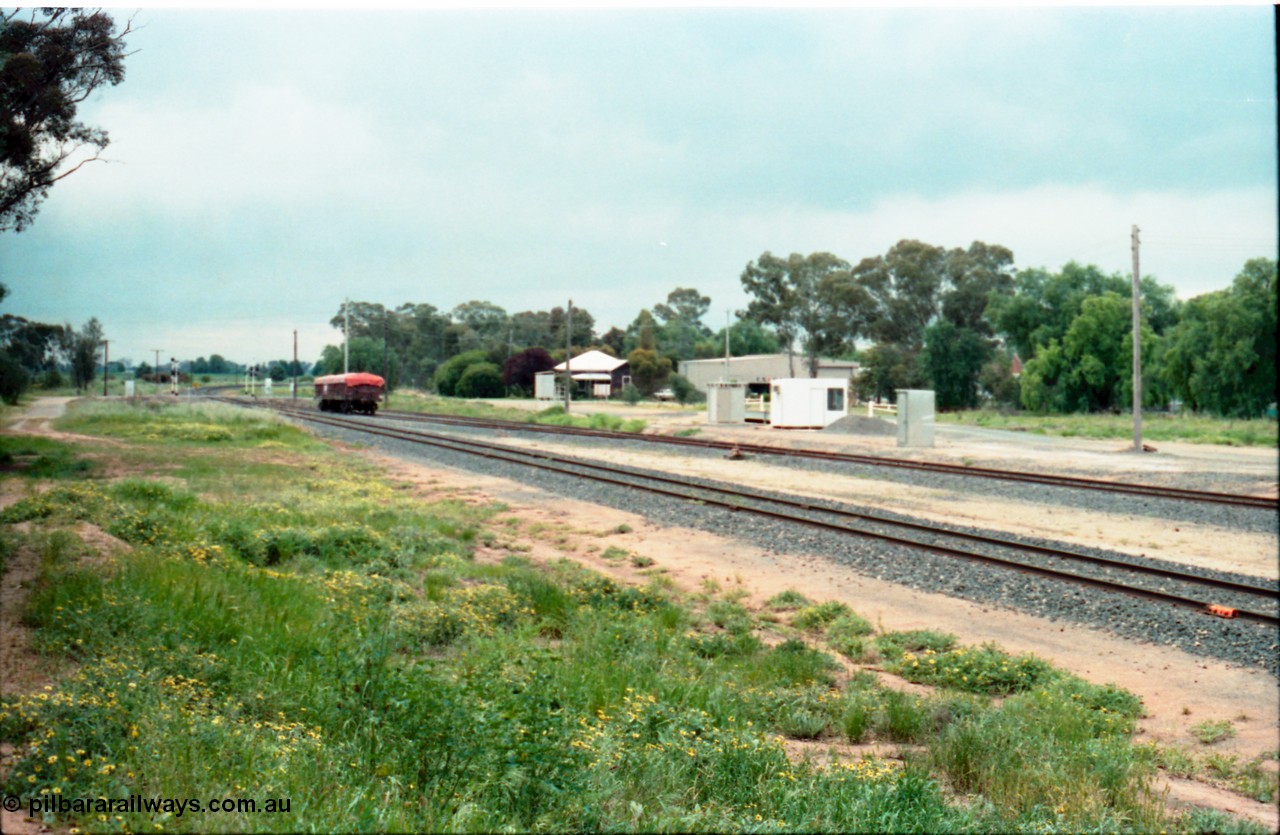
<point x="817" y="617"/>
<point x="521" y="370"/>
<point x="893" y="644"/>
<point x="1210" y="732"/>
<point x="685" y="391"/>
<point x="480" y="380"/>
<point x="787" y="599"/>
<point x="14" y="379"/>
<point x="845" y="634"/>
<point x="450" y="372"/>
<point x="984" y="669"/>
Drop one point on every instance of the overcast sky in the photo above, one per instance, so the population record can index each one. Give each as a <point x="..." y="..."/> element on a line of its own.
<point x="267" y="164"/>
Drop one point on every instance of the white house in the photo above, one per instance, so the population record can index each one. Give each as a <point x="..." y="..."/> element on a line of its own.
<point x="594" y="373"/>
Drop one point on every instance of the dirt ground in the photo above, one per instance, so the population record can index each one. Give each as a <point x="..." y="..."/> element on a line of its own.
<point x="1177" y="689"/>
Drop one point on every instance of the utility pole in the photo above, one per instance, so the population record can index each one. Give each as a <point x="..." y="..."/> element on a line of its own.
<point x="105" y="355"/>
<point x="346" y="332"/>
<point x="568" y="349"/>
<point x="173" y="375"/>
<point x="155" y="370"/>
<point x="386" y="375"/>
<point x="1137" y="349"/>
<point x="726" y="346"/>
<point x="295" y="364"/>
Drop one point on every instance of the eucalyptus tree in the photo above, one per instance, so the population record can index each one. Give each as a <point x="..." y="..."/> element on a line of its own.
<point x="1221" y="356"/>
<point x="51" y="60"/>
<point x="792" y="295"/>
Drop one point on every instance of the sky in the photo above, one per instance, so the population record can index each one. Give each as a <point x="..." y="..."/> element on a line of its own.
<point x="264" y="165"/>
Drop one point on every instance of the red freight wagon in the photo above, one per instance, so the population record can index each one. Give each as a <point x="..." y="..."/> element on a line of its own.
<point x="359" y="392"/>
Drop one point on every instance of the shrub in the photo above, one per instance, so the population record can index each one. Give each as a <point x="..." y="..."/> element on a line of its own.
<point x="721" y="644"/>
<point x="14" y="379"/>
<point x="729" y="616"/>
<point x="893" y="644"/>
<point x="450" y="372"/>
<point x="1209" y="732"/>
<point x="904" y="717"/>
<point x="787" y="599"/>
<point x="985" y="669"/>
<point x="481" y="379"/>
<point x="684" y="390"/>
<point x="521" y="370"/>
<point x="817" y="617"/>
<point x="859" y="715"/>
<point x="794" y="663"/>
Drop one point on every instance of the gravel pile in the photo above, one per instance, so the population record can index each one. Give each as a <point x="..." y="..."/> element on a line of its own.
<point x="862" y="425"/>
<point x="1238" y="642"/>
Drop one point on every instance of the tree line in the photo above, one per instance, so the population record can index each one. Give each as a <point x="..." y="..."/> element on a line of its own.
<point x="38" y="350"/>
<point x="956" y="320"/>
<point x="919" y="316"/>
<point x="478" y="349"/>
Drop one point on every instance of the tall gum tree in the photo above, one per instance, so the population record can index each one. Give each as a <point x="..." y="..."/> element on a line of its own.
<point x="788" y="294"/>
<point x="51" y="60"/>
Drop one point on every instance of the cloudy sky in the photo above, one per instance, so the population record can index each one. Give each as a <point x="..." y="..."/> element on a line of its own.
<point x="267" y="164"/>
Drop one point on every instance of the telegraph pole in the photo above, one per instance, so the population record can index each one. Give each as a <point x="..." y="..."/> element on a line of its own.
<point x="295" y="364"/>
<point x="346" y="332"/>
<point x="155" y="371"/>
<point x="726" y="345"/>
<point x="105" y="354"/>
<point x="1137" y="348"/>
<point x="568" y="349"/>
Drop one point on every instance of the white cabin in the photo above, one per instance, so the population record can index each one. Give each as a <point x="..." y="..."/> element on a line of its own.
<point x="806" y="402"/>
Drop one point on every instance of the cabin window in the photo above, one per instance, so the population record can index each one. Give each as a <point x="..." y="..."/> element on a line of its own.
<point x="835" y="400"/>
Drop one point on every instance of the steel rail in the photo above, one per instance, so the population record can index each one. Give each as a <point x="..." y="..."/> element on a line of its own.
<point x="1076" y="482"/>
<point x="545" y="461"/>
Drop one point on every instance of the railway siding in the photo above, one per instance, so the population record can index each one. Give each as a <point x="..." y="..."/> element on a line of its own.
<point x="1158" y="623"/>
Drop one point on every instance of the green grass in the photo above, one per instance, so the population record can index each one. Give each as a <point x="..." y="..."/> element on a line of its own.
<point x="35" y="457"/>
<point x="787" y="599"/>
<point x="1196" y="429"/>
<point x="552" y="415"/>
<point x="183" y="423"/>
<point x="819" y="616"/>
<point x="312" y="633"/>
<point x="1211" y="731"/>
<point x="847" y="635"/>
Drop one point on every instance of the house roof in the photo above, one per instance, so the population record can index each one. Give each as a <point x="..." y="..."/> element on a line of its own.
<point x="592" y="362"/>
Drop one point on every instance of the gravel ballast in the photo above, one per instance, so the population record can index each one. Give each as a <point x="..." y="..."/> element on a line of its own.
<point x="1237" y="518"/>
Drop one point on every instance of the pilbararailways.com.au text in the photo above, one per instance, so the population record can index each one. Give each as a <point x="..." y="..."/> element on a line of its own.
<point x="138" y="804"/>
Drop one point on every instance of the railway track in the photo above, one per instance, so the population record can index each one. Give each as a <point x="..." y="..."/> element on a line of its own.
<point x="1225" y="598"/>
<point x="1146" y="490"/>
